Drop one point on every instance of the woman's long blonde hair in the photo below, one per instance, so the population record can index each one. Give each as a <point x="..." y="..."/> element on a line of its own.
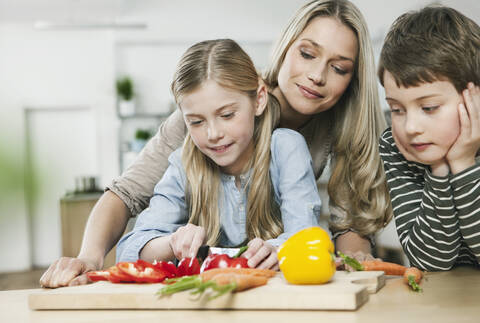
<point x="224" y="62"/>
<point x="357" y="123"/>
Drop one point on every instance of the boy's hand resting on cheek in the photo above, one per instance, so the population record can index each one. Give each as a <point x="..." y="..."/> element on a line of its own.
<point x="186" y="241"/>
<point x="462" y="153"/>
<point x="439" y="169"/>
<point x="261" y="254"/>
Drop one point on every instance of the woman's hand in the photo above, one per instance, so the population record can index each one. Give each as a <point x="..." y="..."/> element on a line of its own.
<point x="67" y="271"/>
<point x="462" y="153"/>
<point x="261" y="254"/>
<point x="186" y="241"/>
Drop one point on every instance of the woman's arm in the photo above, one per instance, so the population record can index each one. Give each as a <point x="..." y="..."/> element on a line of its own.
<point x="135" y="186"/>
<point x="105" y="225"/>
<point x="127" y="196"/>
<point x="423" y="207"/>
<point x="166" y="213"/>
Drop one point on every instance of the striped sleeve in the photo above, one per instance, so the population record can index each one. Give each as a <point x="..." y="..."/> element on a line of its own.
<point x="466" y="194"/>
<point x="424" y="210"/>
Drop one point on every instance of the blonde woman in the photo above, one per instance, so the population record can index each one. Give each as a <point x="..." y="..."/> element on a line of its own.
<point x="233" y="181"/>
<point x="323" y="75"/>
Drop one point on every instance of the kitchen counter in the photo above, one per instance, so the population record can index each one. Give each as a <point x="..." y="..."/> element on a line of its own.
<point x="447" y="297"/>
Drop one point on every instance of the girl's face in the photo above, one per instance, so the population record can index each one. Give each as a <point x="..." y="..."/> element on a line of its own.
<point x="318" y="66"/>
<point x="425" y="119"/>
<point x="221" y="123"/>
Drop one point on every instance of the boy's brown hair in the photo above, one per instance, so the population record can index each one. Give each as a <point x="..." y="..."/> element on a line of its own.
<point x="432" y="44"/>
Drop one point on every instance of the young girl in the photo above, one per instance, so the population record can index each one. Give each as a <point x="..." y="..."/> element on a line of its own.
<point x="234" y="180"/>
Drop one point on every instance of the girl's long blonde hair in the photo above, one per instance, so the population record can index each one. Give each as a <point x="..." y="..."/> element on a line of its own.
<point x="357" y="183"/>
<point x="224" y="62"/>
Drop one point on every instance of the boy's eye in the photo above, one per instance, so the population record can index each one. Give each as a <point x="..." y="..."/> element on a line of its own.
<point x="395" y="110"/>
<point x="429" y="109"/>
<point x="306" y="55"/>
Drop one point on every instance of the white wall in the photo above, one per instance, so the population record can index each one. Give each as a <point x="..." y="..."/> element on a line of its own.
<point x="51" y="69"/>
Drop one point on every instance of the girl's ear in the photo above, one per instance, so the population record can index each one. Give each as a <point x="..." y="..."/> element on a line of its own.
<point x="262" y="98"/>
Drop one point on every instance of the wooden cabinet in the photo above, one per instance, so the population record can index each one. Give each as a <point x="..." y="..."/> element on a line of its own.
<point x="74" y="212"/>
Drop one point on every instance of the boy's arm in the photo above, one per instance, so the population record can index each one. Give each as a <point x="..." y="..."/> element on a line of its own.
<point x="466" y="194"/>
<point x="424" y="211"/>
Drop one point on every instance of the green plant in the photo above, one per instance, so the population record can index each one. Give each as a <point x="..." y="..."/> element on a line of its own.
<point x="125" y="88"/>
<point x="142" y="134"/>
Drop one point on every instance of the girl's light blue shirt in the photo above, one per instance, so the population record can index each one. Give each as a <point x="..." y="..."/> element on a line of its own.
<point x="294" y="187"/>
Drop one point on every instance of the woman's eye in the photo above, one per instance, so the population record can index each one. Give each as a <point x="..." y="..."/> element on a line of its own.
<point x="228" y="115"/>
<point x="306" y="55"/>
<point x="195" y="122"/>
<point x="339" y="70"/>
<point x="429" y="109"/>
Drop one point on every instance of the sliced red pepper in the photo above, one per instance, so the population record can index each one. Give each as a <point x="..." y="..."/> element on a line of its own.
<point x="142" y="271"/>
<point x="98" y="275"/>
<point x="167" y="267"/>
<point x="223" y="261"/>
<point x="188" y="266"/>
<point x="118" y="276"/>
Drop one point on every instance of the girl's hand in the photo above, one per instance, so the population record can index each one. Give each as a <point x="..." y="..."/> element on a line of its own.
<point x="462" y="153"/>
<point x="261" y="254"/>
<point x="186" y="241"/>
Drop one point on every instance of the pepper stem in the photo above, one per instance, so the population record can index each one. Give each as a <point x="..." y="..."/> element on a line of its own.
<point x="352" y="262"/>
<point x="242" y="250"/>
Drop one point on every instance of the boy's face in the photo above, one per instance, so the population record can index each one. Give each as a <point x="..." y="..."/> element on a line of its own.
<point x="425" y="120"/>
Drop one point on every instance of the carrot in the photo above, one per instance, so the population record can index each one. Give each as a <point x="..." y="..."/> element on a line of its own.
<point x="241" y="282"/>
<point x="412" y="277"/>
<point x="389" y="268"/>
<point x="209" y="274"/>
<point x="221" y="280"/>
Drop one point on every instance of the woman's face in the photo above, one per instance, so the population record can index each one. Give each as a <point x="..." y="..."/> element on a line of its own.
<point x="318" y="66"/>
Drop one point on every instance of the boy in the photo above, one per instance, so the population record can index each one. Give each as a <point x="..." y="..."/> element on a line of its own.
<point x="428" y="66"/>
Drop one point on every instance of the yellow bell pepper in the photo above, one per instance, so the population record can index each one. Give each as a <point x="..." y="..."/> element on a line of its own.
<point x="307" y="257"/>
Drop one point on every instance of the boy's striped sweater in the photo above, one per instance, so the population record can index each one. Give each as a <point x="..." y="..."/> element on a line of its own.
<point x="437" y="218"/>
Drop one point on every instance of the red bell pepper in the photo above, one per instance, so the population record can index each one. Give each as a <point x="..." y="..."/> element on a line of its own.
<point x="142" y="271"/>
<point x="98" y="275"/>
<point x="188" y="267"/>
<point x="118" y="276"/>
<point x="167" y="267"/>
<point x="225" y="261"/>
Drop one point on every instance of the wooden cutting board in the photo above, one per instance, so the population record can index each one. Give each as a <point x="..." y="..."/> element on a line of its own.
<point x="346" y="291"/>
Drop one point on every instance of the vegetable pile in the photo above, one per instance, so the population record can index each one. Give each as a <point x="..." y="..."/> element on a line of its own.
<point x="142" y="271"/>
<point x="411" y="275"/>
